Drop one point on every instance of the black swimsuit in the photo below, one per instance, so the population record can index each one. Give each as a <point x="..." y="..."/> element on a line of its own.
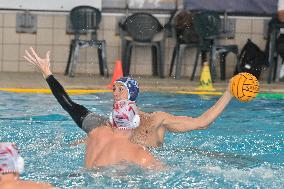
<point x="84" y="118"/>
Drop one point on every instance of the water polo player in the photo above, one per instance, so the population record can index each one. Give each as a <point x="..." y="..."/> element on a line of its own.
<point x="109" y="147"/>
<point x="153" y="126"/>
<point x="11" y="165"/>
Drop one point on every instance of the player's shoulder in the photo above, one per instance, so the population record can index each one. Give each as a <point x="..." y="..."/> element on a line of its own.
<point x="160" y="114"/>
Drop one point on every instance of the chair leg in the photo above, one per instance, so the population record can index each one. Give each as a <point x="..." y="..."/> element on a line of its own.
<point x="123" y="51"/>
<point x="101" y="63"/>
<point x="271" y="56"/>
<point x="195" y="64"/>
<point x="179" y="61"/>
<point x="104" y="59"/>
<point x="154" y="60"/>
<point x="212" y="62"/>
<point x="161" y="62"/>
<point x="278" y="70"/>
<point x="127" y="58"/>
<point x="173" y="60"/>
<point x="223" y="65"/>
<point x="74" y="59"/>
<point x="203" y="56"/>
<point x="71" y="51"/>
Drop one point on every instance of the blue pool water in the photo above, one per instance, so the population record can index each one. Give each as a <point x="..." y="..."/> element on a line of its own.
<point x="243" y="148"/>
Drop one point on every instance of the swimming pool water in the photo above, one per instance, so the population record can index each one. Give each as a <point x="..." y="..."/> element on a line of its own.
<point x="243" y="148"/>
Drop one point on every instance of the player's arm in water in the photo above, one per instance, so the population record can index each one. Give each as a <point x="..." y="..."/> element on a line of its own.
<point x="76" y="111"/>
<point x="184" y="123"/>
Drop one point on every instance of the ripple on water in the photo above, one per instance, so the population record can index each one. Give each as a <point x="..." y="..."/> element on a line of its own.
<point x="243" y="148"/>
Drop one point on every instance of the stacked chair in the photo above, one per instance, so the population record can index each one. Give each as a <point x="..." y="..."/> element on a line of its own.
<point x="142" y="29"/>
<point x="85" y="20"/>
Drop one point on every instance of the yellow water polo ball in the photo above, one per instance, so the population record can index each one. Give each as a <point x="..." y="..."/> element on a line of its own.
<point x="244" y="87"/>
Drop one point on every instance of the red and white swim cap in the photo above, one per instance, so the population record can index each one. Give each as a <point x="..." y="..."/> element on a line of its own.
<point x="10" y="159"/>
<point x="125" y="115"/>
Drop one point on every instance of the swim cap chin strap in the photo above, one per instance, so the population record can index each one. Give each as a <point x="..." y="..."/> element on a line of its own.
<point x="20" y="164"/>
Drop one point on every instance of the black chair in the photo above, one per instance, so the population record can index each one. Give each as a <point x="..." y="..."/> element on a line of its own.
<point x="274" y="60"/>
<point x="86" y="20"/>
<point x="185" y="37"/>
<point x="207" y="25"/>
<point x="142" y="29"/>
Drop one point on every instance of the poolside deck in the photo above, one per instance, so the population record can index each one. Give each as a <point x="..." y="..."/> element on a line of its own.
<point x="146" y="83"/>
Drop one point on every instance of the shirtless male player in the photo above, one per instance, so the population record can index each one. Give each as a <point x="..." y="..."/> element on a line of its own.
<point x="153" y="126"/>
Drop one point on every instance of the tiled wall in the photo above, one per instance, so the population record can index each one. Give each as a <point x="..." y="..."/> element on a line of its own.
<point x="51" y="35"/>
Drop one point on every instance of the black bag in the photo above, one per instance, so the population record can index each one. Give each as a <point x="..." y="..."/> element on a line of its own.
<point x="252" y="59"/>
<point x="184" y="27"/>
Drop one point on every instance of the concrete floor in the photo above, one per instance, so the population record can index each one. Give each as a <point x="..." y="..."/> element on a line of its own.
<point x="148" y="83"/>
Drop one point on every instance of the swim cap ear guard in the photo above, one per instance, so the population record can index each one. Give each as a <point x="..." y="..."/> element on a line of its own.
<point x="131" y="85"/>
<point x="125" y="115"/>
<point x="10" y="159"/>
<point x="20" y="164"/>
